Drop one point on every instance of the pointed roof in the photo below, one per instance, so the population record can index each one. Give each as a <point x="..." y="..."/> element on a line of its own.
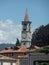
<point x="23" y="49"/>
<point x="26" y="16"/>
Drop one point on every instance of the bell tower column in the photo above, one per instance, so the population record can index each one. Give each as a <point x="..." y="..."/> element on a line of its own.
<point x="26" y="31"/>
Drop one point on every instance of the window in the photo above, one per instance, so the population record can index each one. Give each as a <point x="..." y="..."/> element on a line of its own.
<point x="12" y="54"/>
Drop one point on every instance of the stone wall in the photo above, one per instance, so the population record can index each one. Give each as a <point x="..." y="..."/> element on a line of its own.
<point x="23" y="61"/>
<point x="37" y="57"/>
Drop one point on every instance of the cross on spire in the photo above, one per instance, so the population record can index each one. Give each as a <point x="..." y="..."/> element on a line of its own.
<point x="26" y="16"/>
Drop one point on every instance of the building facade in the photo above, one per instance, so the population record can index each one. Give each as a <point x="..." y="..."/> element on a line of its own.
<point x="7" y="60"/>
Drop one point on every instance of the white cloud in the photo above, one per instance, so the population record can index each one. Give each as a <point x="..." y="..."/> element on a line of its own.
<point x="9" y="31"/>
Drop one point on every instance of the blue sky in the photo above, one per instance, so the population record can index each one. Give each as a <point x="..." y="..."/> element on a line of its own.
<point x="12" y="13"/>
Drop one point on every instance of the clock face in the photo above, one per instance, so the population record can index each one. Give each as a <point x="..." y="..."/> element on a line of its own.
<point x="24" y="36"/>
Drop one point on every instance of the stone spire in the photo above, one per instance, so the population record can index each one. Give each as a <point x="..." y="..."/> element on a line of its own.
<point x="26" y="16"/>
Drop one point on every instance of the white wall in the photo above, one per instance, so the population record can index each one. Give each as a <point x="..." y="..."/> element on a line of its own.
<point x="14" y="63"/>
<point x="6" y="63"/>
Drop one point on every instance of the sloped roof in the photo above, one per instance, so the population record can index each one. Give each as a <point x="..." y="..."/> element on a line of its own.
<point x="35" y="47"/>
<point x="7" y="51"/>
<point x="23" y="49"/>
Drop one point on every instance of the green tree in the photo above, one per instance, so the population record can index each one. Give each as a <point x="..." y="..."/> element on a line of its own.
<point x="40" y="36"/>
<point x="17" y="42"/>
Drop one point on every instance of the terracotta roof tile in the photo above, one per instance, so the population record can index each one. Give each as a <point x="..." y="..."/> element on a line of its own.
<point x="23" y="49"/>
<point x="6" y="51"/>
<point x="35" y="47"/>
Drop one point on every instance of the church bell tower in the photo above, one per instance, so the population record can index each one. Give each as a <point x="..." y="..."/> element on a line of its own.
<point x="26" y="31"/>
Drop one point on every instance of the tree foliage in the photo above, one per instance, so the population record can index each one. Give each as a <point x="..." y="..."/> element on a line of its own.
<point x="40" y="36"/>
<point x="44" y="49"/>
<point x="17" y="42"/>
